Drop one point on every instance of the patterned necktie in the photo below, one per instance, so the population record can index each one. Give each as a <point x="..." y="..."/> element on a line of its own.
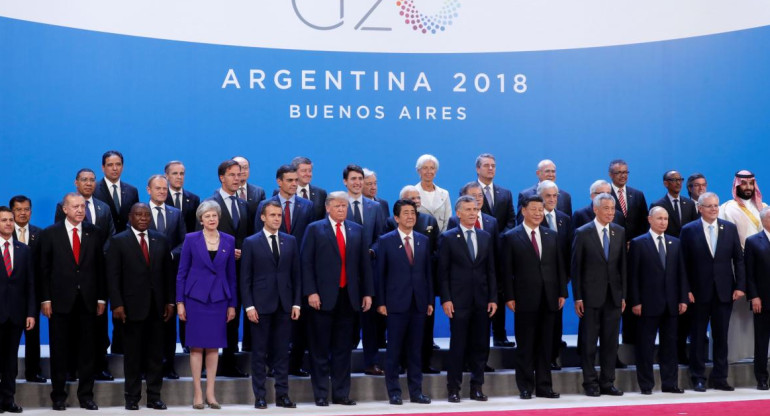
<point x="488" y="195"/>
<point x="274" y="247"/>
<point x="357" y="213"/>
<point x="243" y="193"/>
<point x="471" y="248"/>
<point x="341" y="246"/>
<point x="89" y="219"/>
<point x="115" y="197"/>
<point x="287" y="217"/>
<point x="408" y="248"/>
<point x="662" y="251"/>
<point x="234" y="208"/>
<point x="713" y="238"/>
<point x="76" y="245"/>
<point x="606" y="243"/>
<point x="177" y="200"/>
<point x="7" y="259"/>
<point x="145" y="251"/>
<point x="551" y="224"/>
<point x="22" y="235"/>
<point x="161" y="226"/>
<point x="622" y="200"/>
<point x="534" y="244"/>
<point x="304" y="193"/>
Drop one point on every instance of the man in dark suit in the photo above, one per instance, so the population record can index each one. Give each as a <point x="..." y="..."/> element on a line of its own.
<point x="141" y="281"/>
<point x="370" y="191"/>
<point x="306" y="190"/>
<point x="405" y="297"/>
<point x="498" y="201"/>
<point x="270" y="290"/>
<point x="235" y="221"/>
<point x="18" y="308"/>
<point x="757" y="257"/>
<point x="658" y="294"/>
<point x="696" y="185"/>
<point x="248" y="192"/>
<point x="713" y="259"/>
<point x="598" y="271"/>
<point x="168" y="221"/>
<point x="546" y="170"/>
<point x="586" y="214"/>
<point x="297" y="215"/>
<point x="73" y="293"/>
<point x="117" y="194"/>
<point x="337" y="281"/>
<point x="535" y="281"/>
<point x="181" y="198"/>
<point x="468" y="285"/>
<point x="367" y="213"/>
<point x="28" y="234"/>
<point x="681" y="209"/>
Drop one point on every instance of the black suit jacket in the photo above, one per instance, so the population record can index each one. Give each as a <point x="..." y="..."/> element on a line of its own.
<point x="132" y="283"/>
<point x="33" y="242"/>
<point x="103" y="216"/>
<point x="175" y="229"/>
<point x="466" y="283"/>
<point x="254" y="195"/>
<point x="659" y="290"/>
<point x="565" y="234"/>
<point x="503" y="212"/>
<point x="722" y="273"/>
<point x="62" y="278"/>
<point x="226" y="221"/>
<point x="190" y="203"/>
<point x="635" y="222"/>
<point x="374" y="220"/>
<point x="528" y="277"/>
<point x="128" y="197"/>
<point x="302" y="217"/>
<point x="263" y="282"/>
<point x="591" y="272"/>
<point x="384" y="205"/>
<point x="686" y="208"/>
<point x="17" y="291"/>
<point x="586" y="214"/>
<point x="564" y="204"/>
<point x="757" y="258"/>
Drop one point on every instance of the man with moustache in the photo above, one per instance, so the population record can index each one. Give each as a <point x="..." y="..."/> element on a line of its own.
<point x="370" y="191"/>
<point x="179" y="197"/>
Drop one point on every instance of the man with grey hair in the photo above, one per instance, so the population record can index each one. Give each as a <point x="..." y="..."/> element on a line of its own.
<point x="498" y="201"/>
<point x="370" y="190"/>
<point x="546" y="170"/>
<point x="757" y="258"/>
<point x="598" y="274"/>
<point x="586" y="214"/>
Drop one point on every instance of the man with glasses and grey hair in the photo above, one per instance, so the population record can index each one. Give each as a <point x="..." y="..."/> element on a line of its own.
<point x="546" y="170"/>
<point x="586" y="214"/>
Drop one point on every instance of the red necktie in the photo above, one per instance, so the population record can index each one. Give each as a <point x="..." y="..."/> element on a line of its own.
<point x="408" y="247"/>
<point x="7" y="259"/>
<point x="534" y="244"/>
<point x="622" y="201"/>
<point x="478" y="224"/>
<point x="145" y="251"/>
<point x="341" y="245"/>
<point x="76" y="245"/>
<point x="287" y="217"/>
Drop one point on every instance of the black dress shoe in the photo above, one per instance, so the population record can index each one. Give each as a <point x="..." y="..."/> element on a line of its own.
<point x="611" y="391"/>
<point x="674" y="389"/>
<point x="453" y="397"/>
<point x="503" y="343"/>
<point x="59" y="405"/>
<point x="89" y="405"/>
<point x="37" y="378"/>
<point x="525" y="394"/>
<point x="285" y="401"/>
<point x="478" y="395"/>
<point x="374" y="370"/>
<point x="11" y="407"/>
<point x="171" y="375"/>
<point x="156" y="404"/>
<point x="762" y="385"/>
<point x="620" y="364"/>
<point x="321" y="401"/>
<point x="260" y="403"/>
<point x="104" y="376"/>
<point x="548" y="394"/>
<point x="233" y="372"/>
<point x="699" y="386"/>
<point x="646" y="392"/>
<point x="299" y="372"/>
<point x="420" y="398"/>
<point x="555" y="366"/>
<point x="430" y="370"/>
<point x="488" y="369"/>
<point x="345" y="401"/>
<point x="592" y="392"/>
<point x="132" y="406"/>
<point x="396" y="400"/>
<point x="722" y="385"/>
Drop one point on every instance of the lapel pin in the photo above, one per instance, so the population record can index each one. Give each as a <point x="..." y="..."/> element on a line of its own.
<point x="458" y="235"/>
<point x="669" y="242"/>
<point x="721" y="227"/>
<point x="612" y="233"/>
<point x="400" y="246"/>
<point x="418" y="243"/>
<point x="224" y="251"/>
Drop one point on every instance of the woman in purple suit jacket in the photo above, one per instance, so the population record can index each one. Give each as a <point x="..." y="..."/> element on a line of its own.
<point x="206" y="296"/>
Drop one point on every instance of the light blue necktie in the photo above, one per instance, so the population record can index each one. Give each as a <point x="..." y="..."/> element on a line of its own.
<point x="488" y="194"/>
<point x="662" y="251"/>
<point x="713" y="238"/>
<point x="469" y="240"/>
<point x="606" y="243"/>
<point x="551" y="224"/>
<point x="235" y="214"/>
<point x="161" y="226"/>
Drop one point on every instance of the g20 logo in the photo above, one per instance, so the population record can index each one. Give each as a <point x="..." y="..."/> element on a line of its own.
<point x="408" y="11"/>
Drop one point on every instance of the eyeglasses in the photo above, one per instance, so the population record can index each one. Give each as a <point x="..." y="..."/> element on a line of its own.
<point x="709" y="206"/>
<point x="621" y="172"/>
<point x="675" y="180"/>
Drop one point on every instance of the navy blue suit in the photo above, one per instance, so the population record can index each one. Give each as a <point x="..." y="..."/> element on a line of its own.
<point x="317" y="196"/>
<point x="384" y="205"/>
<point x="272" y="289"/>
<point x="503" y="212"/>
<point x="128" y="197"/>
<point x="470" y="284"/>
<point x="712" y="281"/>
<point x="374" y="220"/>
<point x="32" y="337"/>
<point x="564" y="204"/>
<point x="659" y="289"/>
<point x="405" y="290"/>
<point x="687" y="210"/>
<point x="332" y="328"/>
<point x="190" y="203"/>
<point x="757" y="257"/>
<point x="302" y="216"/>
<point x="254" y="196"/>
<point x="565" y="234"/>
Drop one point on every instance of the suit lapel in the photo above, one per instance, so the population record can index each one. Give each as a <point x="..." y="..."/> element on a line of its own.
<point x="652" y="246"/>
<point x="522" y="235"/>
<point x="595" y="238"/>
<point x="331" y="235"/>
<point x="225" y="212"/>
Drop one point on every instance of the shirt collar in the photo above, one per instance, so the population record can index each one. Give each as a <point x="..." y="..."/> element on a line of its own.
<point x="153" y="205"/>
<point x="136" y="232"/>
<point x="529" y="230"/>
<point x="465" y="230"/>
<point x="267" y="233"/>
<point x="225" y="195"/>
<point x="283" y="200"/>
<point x="656" y="235"/>
<point x="706" y="224"/>
<point x="410" y="235"/>
<point x="359" y="199"/>
<point x="334" y="223"/>
<point x="68" y="225"/>
<point x="3" y="240"/>
<point x="110" y="183"/>
<point x="483" y="185"/>
<point x="599" y="226"/>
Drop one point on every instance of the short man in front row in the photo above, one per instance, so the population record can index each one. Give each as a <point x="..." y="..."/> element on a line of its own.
<point x="337" y="280"/>
<point x="17" y="309"/>
<point x="658" y="294"/>
<point x="141" y="282"/>
<point x="270" y="292"/>
<point x="757" y="257"/>
<point x="468" y="285"/>
<point x="714" y="262"/>
<point x="536" y="286"/>
<point x="598" y="274"/>
<point x="405" y="297"/>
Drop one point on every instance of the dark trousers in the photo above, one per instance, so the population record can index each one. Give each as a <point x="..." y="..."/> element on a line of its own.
<point x="372" y="329"/>
<point x="534" y="336"/>
<point x="169" y="343"/>
<point x="299" y="340"/>
<point x="405" y="335"/>
<point x="330" y="348"/>
<point x="498" y="320"/>
<point x="649" y="326"/>
<point x="469" y="335"/>
<point x="143" y="353"/>
<point x="10" y="336"/>
<point x="719" y="314"/>
<point x="78" y="324"/>
<point x="630" y="327"/>
<point x="427" y="339"/>
<point x="761" y="340"/>
<point x="683" y="329"/>
<point x="32" y="350"/>
<point x="600" y="324"/>
<point x="270" y="337"/>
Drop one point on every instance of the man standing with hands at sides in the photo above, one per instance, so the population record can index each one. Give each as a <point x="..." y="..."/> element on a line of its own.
<point x="141" y="287"/>
<point x="598" y="274"/>
<point x="714" y="262"/>
<point x="73" y="292"/>
<point x="270" y="291"/>
<point x="535" y="285"/>
<point x="757" y="257"/>
<point x="181" y="198"/>
<point x="466" y="269"/>
<point x="658" y="293"/>
<point x="337" y="279"/>
<point x="405" y="297"/>
<point x="18" y="308"/>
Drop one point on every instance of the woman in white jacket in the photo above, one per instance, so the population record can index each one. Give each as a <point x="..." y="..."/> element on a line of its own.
<point x="434" y="200"/>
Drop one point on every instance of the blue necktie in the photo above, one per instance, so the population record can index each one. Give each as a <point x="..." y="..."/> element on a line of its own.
<point x="662" y="251"/>
<point x="606" y="243"/>
<point x="161" y="226"/>
<point x="551" y="225"/>
<point x="357" y="213"/>
<point x="235" y="214"/>
<point x="89" y="220"/>
<point x="469" y="240"/>
<point x="713" y="238"/>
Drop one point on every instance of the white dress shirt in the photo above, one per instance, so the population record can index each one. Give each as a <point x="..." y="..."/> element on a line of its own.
<point x="403" y="239"/>
<point x="342" y="227"/>
<point x="599" y="228"/>
<point x="110" y="189"/>
<point x="229" y="202"/>
<point x="473" y="238"/>
<point x="360" y="200"/>
<point x="537" y="238"/>
<point x="655" y="240"/>
<point x="708" y="235"/>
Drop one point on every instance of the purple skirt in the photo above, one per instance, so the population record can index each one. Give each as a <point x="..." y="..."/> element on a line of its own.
<point x="206" y="324"/>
